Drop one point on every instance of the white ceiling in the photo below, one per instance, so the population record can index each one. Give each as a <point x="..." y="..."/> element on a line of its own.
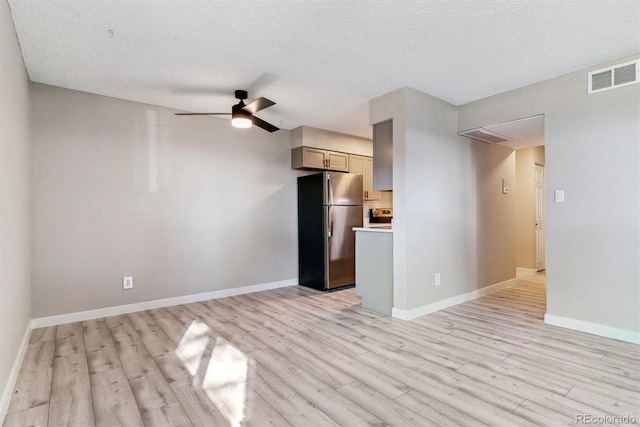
<point x="321" y="61"/>
<point x="523" y="133"/>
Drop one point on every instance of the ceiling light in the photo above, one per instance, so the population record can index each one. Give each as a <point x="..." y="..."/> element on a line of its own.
<point x="241" y="119"/>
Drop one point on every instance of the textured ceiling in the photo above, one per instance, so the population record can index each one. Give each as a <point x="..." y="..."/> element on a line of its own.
<point x="319" y="60"/>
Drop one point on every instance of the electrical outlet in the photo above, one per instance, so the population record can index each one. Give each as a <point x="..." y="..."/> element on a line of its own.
<point x="437" y="279"/>
<point x="127" y="282"/>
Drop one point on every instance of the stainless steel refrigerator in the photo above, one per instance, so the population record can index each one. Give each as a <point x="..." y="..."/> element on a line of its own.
<point x="329" y="206"/>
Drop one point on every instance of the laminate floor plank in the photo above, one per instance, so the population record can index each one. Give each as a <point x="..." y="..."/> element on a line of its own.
<point x="150" y="388"/>
<point x="541" y="415"/>
<point x="69" y="339"/>
<point x="296" y="356"/>
<point x="438" y="411"/>
<point x="42" y="334"/>
<point x="297" y="410"/>
<point x="170" y="415"/>
<point x="162" y="349"/>
<point x="200" y="409"/>
<point x="343" y="411"/>
<point x="575" y="377"/>
<point x="36" y="416"/>
<point x="388" y="410"/>
<point x="33" y="387"/>
<point x="325" y="372"/>
<point x="621" y="373"/>
<point x="565" y="347"/>
<point x="385" y="384"/>
<point x="99" y="346"/>
<point x="128" y="344"/>
<point x="552" y="401"/>
<point x="412" y="372"/>
<point x="113" y="401"/>
<point x="70" y="402"/>
<point x="172" y="327"/>
<point x="259" y="413"/>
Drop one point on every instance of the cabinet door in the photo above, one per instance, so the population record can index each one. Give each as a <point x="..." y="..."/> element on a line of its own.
<point x="313" y="158"/>
<point x="383" y="153"/>
<point x="356" y="164"/>
<point x="338" y="161"/>
<point x="368" y="179"/>
<point x="363" y="165"/>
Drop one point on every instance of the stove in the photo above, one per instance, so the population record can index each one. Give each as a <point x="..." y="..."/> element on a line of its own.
<point x="380" y="216"/>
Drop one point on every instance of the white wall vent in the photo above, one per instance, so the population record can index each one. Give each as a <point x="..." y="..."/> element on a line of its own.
<point x="616" y="76"/>
<point x="481" y="134"/>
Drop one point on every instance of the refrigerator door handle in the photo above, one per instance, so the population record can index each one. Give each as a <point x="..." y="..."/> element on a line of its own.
<point x="330" y="221"/>
<point x="330" y="193"/>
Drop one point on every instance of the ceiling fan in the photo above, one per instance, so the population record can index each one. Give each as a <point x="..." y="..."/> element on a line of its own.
<point x="242" y="115"/>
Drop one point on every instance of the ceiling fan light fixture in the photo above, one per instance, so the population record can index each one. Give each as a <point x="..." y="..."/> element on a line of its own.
<point x="240" y="119"/>
<point x="242" y="115"/>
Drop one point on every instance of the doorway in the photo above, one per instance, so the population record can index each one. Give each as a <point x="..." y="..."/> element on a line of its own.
<point x="526" y="137"/>
<point x="539" y="187"/>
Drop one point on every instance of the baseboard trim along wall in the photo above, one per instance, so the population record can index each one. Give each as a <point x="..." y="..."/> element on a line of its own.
<point x="593" y="328"/>
<point x="521" y="271"/>
<point x="449" y="302"/>
<point x="160" y="303"/>
<point x="13" y="375"/>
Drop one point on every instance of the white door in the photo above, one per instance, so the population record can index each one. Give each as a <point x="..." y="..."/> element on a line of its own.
<point x="540" y="217"/>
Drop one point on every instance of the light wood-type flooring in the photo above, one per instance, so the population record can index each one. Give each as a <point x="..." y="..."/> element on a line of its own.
<point x="298" y="357"/>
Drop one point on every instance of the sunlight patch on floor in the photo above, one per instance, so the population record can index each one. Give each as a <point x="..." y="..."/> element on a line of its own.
<point x="193" y="345"/>
<point x="225" y="381"/>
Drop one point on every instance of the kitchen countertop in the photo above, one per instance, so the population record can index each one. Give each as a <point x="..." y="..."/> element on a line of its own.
<point x="376" y="228"/>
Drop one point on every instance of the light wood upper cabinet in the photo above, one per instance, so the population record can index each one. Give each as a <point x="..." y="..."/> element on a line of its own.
<point x="383" y="153"/>
<point x="314" y="158"/>
<point x="338" y="161"/>
<point x="363" y="165"/>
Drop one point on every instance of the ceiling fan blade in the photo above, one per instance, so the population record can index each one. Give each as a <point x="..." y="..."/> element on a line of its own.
<point x="264" y="125"/>
<point x="257" y="105"/>
<point x="202" y="114"/>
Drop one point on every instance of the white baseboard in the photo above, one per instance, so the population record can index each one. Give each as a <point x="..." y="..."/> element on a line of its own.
<point x="593" y="328"/>
<point x="524" y="272"/>
<point x="149" y="305"/>
<point x="445" y="303"/>
<point x="13" y="375"/>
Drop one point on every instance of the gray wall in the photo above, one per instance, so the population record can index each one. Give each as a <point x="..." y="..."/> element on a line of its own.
<point x="15" y="208"/>
<point x="184" y="204"/>
<point x="495" y="213"/>
<point x="526" y="159"/>
<point x="449" y="214"/>
<point x="440" y="202"/>
<point x="592" y="152"/>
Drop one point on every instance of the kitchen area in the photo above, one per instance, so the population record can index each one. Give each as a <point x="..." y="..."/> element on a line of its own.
<point x="345" y="212"/>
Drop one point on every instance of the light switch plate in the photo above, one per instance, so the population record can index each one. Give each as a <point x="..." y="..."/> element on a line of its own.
<point x="505" y="187"/>
<point x="558" y="196"/>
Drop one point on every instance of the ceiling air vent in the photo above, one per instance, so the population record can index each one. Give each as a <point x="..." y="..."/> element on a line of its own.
<point x="481" y="134"/>
<point x="616" y="76"/>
